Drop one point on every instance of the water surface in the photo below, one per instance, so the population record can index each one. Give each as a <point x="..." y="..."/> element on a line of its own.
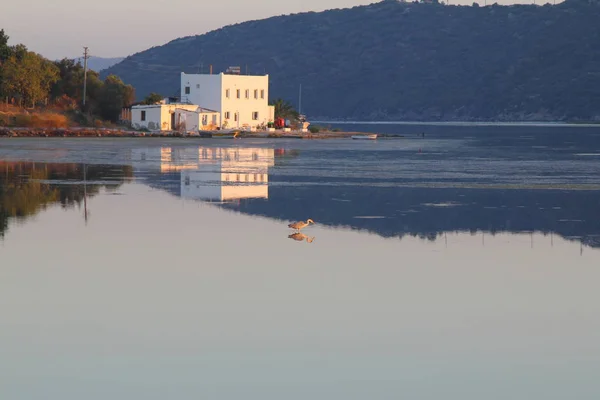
<point x="462" y="265"/>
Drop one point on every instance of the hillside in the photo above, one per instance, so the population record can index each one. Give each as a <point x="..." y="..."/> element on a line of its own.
<point x="100" y="63"/>
<point x="406" y="61"/>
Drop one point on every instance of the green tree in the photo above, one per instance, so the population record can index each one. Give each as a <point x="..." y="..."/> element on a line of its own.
<point x="284" y="109"/>
<point x="70" y="82"/>
<point x="27" y="76"/>
<point x="113" y="96"/>
<point x="152" y="98"/>
<point x="4" y="48"/>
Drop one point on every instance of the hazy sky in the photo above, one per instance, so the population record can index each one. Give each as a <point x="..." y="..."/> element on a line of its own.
<point x="113" y="28"/>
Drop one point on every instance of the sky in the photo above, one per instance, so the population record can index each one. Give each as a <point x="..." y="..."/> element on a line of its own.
<point x="118" y="28"/>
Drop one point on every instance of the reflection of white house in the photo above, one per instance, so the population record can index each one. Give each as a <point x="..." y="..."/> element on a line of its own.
<point x="211" y="173"/>
<point x="242" y="101"/>
<point x="215" y="183"/>
<point x="174" y="116"/>
<point x="229" y="174"/>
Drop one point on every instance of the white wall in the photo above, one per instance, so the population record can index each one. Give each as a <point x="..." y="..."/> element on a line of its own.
<point x="194" y="121"/>
<point x="210" y="91"/>
<point x="153" y="120"/>
<point x="244" y="107"/>
<point x="205" y="90"/>
<point x="158" y="117"/>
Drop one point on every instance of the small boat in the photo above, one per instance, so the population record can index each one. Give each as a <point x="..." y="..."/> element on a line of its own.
<point x="371" y="136"/>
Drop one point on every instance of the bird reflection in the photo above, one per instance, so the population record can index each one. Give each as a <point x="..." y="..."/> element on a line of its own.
<point x="300" y="237"/>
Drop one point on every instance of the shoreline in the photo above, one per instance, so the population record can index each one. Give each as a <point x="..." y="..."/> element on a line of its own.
<point x="126" y="133"/>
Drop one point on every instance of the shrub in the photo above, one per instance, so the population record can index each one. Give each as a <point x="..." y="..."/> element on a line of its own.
<point x="314" y="129"/>
<point x="42" y="120"/>
<point x="51" y="120"/>
<point x="23" y="120"/>
<point x="65" y="103"/>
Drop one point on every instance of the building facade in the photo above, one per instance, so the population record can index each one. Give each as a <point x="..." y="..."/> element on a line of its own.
<point x="242" y="101"/>
<point x="174" y="116"/>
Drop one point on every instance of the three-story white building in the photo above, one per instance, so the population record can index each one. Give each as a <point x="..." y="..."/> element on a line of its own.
<point x="241" y="100"/>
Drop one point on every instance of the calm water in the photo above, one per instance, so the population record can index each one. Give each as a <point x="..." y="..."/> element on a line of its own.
<point x="460" y="265"/>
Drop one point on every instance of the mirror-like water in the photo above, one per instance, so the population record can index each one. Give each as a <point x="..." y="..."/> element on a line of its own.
<point x="455" y="266"/>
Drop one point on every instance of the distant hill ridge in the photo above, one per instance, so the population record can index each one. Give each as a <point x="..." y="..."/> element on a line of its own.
<point x="404" y="61"/>
<point x="100" y="63"/>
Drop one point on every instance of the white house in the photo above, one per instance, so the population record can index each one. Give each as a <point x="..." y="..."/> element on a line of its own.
<point x="201" y="119"/>
<point x="242" y="101"/>
<point x="172" y="116"/>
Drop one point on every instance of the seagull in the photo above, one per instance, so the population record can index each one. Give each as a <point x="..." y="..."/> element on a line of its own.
<point x="301" y="224"/>
<point x="300" y="237"/>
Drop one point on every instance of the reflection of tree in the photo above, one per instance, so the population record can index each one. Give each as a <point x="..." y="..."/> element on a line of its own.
<point x="27" y="188"/>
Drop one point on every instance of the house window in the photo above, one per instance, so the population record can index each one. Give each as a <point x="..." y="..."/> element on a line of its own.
<point x="255" y="116"/>
<point x="197" y="86"/>
<point x="256" y="93"/>
<point x="227" y="93"/>
<point x="187" y="90"/>
<point x="143" y="115"/>
<point x="214" y="119"/>
<point x="247" y="93"/>
<point x="227" y="115"/>
<point x="235" y="116"/>
<point x="239" y="93"/>
<point x="262" y="94"/>
<point x="205" y="120"/>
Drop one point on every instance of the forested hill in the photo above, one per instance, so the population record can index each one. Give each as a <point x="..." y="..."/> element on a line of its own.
<point x="406" y="61"/>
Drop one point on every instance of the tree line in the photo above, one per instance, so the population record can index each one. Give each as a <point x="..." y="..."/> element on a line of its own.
<point x="28" y="79"/>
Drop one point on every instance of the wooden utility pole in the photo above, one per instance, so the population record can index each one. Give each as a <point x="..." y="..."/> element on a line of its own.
<point x="86" y="55"/>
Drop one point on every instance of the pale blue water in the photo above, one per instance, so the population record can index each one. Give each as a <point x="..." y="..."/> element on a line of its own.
<point x="461" y="265"/>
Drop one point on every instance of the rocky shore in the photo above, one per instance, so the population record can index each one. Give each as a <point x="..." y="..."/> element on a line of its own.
<point x="67" y="132"/>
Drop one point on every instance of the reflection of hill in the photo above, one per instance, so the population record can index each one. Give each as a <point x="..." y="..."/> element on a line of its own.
<point x="24" y="187"/>
<point x="417" y="211"/>
<point x="427" y="212"/>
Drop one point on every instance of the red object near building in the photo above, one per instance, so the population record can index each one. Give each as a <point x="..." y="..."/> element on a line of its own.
<point x="280" y="123"/>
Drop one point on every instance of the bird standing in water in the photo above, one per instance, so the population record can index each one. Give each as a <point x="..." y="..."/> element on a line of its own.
<point x="301" y="224"/>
